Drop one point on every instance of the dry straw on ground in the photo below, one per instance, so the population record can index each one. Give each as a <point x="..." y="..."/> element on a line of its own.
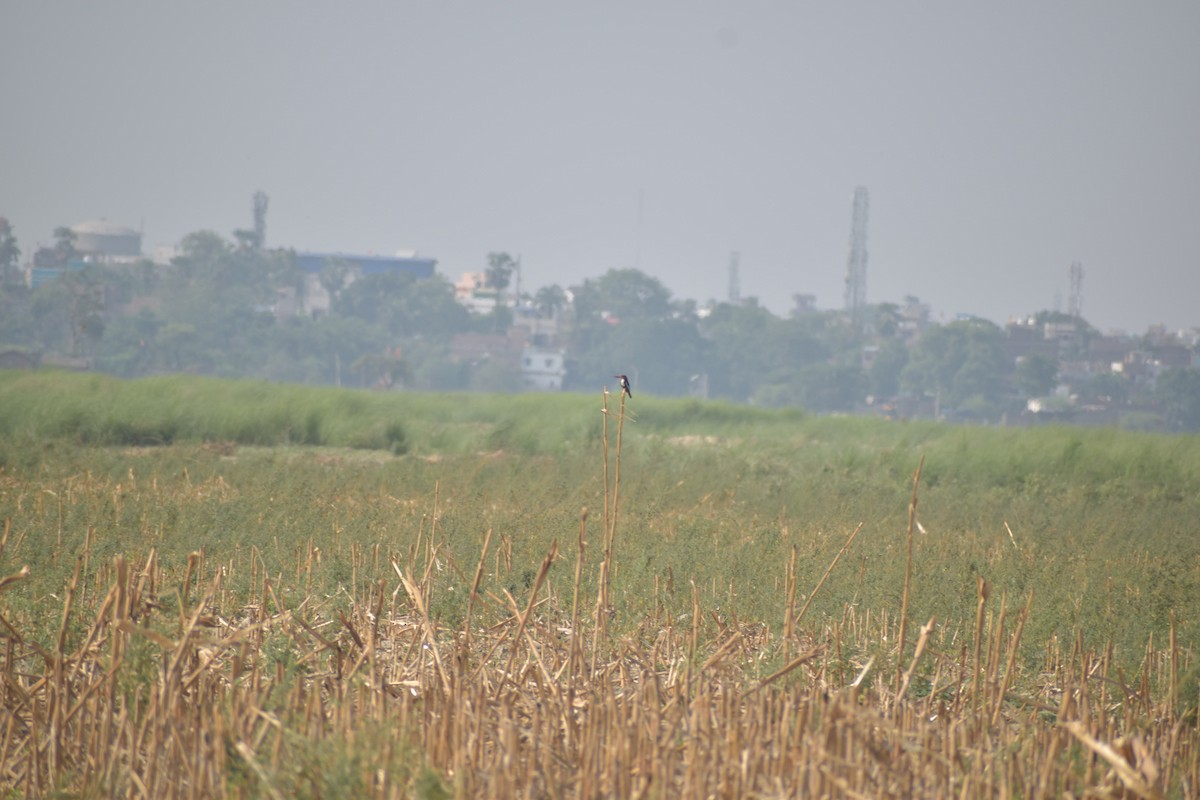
<point x="170" y="684"/>
<point x="529" y="706"/>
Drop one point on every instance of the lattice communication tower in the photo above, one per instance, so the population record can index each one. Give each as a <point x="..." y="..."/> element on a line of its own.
<point x="1075" y="299"/>
<point x="735" y="281"/>
<point x="856" y="264"/>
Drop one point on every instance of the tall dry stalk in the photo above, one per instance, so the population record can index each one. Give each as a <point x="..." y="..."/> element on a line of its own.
<point x="523" y="620"/>
<point x="487" y="540"/>
<point x="828" y="570"/>
<point x="612" y="530"/>
<point x="912" y="522"/>
<point x="610" y="512"/>
<point x="789" y="611"/>
<point x="672" y="714"/>
<point x="604" y="449"/>
<point x="976" y="668"/>
<point x="576" y="634"/>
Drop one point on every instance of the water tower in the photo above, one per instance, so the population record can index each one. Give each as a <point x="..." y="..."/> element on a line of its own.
<point x="104" y="239"/>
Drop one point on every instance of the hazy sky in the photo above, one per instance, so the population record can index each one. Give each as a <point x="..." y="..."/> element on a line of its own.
<point x="999" y="142"/>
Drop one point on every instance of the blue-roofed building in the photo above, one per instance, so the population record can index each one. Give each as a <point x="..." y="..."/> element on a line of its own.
<point x="42" y="275"/>
<point x="316" y="300"/>
<point x="413" y="265"/>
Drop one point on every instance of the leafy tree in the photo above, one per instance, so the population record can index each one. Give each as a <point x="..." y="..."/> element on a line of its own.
<point x="64" y="245"/>
<point x="1178" y="389"/>
<point x="86" y="314"/>
<point x="10" y="257"/>
<point x="616" y="319"/>
<point x="497" y="321"/>
<point x="224" y="296"/>
<point x="302" y="350"/>
<point x="1036" y="374"/>
<point x="49" y="314"/>
<point x="749" y="343"/>
<point x="884" y="375"/>
<point x="664" y="354"/>
<point x="404" y="306"/>
<point x="180" y="349"/>
<point x="237" y="340"/>
<point x="333" y="275"/>
<point x="550" y="301"/>
<point x="130" y="345"/>
<point x="202" y="278"/>
<point x="1107" y="388"/>
<point x="798" y="343"/>
<point x="885" y="319"/>
<point x="741" y="356"/>
<point x="817" y="387"/>
<point x="622" y="294"/>
<point x="958" y="361"/>
<point x="15" y="319"/>
<point x="499" y="271"/>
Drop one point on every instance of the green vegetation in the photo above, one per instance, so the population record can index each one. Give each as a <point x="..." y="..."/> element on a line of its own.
<point x="1099" y="525"/>
<point x="282" y="578"/>
<point x="236" y="309"/>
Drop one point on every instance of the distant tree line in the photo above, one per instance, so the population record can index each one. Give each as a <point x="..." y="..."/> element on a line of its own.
<point x="212" y="311"/>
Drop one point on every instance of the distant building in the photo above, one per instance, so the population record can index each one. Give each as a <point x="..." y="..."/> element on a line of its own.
<point x="803" y="304"/>
<point x="106" y="240"/>
<point x="543" y="369"/>
<point x="42" y="275"/>
<point x="914" y="319"/>
<point x="472" y="291"/>
<point x="1025" y="337"/>
<point x="96" y="242"/>
<point x="408" y="264"/>
<point x="342" y="269"/>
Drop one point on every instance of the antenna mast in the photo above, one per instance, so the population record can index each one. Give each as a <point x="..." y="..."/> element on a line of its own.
<point x="856" y="264"/>
<point x="735" y="281"/>
<point x="260" y="218"/>
<point x="1075" y="298"/>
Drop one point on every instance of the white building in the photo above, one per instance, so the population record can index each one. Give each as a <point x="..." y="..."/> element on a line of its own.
<point x="542" y="369"/>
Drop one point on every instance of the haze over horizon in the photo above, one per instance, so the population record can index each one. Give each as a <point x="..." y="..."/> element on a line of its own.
<point x="999" y="144"/>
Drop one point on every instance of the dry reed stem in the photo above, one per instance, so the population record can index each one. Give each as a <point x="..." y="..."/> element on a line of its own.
<point x="604" y="453"/>
<point x="616" y="492"/>
<point x="630" y="731"/>
<point x="828" y="570"/>
<point x="220" y="699"/>
<point x="1133" y="779"/>
<point x="487" y="540"/>
<point x="576" y="659"/>
<point x="523" y="618"/>
<point x="912" y="521"/>
<point x="9" y="580"/>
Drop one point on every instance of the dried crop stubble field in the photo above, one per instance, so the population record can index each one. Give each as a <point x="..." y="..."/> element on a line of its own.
<point x="752" y="604"/>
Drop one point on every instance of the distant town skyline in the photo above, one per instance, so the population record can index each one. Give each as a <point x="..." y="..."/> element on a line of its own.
<point x="999" y="144"/>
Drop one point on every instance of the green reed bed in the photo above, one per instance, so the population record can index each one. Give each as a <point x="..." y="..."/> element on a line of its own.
<point x="739" y="543"/>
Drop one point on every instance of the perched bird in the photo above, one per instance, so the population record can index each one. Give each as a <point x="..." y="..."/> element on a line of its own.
<point x="624" y="385"/>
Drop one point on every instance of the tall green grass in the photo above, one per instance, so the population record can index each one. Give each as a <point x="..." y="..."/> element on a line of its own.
<point x="1101" y="525"/>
